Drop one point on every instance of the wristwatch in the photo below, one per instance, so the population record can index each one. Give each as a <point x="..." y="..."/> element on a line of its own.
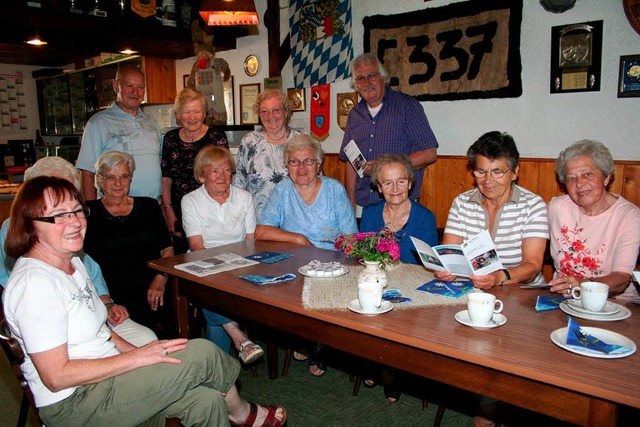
<point x="506" y="273"/>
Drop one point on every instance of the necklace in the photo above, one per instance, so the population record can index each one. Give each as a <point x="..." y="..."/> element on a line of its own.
<point x="273" y="138"/>
<point x="191" y="136"/>
<point x="395" y="223"/>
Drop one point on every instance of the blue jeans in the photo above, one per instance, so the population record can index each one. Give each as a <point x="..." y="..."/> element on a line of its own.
<point x="215" y="331"/>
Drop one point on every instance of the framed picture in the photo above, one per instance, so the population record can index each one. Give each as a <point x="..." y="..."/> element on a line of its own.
<point x="345" y="102"/>
<point x="576" y="57"/>
<point x="248" y="95"/>
<point x="185" y="80"/>
<point x="629" y="77"/>
<point x="296" y="99"/>
<point x="228" y="101"/>
<point x="274" y="83"/>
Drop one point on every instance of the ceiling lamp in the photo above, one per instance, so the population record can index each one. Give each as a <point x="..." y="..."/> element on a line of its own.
<point x="36" y="41"/>
<point x="229" y="12"/>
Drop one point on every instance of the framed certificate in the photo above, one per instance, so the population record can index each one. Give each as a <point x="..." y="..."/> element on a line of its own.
<point x="248" y="96"/>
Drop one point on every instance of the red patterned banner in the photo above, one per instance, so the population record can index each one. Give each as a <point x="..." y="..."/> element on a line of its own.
<point x="320" y="109"/>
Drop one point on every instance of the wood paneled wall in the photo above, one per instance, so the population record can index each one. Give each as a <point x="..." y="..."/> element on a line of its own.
<point x="449" y="176"/>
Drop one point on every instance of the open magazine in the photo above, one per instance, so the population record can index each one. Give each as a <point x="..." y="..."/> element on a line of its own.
<point x="476" y="256"/>
<point x="355" y="157"/>
<point x="219" y="263"/>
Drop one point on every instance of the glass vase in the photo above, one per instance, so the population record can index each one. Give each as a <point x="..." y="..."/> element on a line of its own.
<point x="373" y="272"/>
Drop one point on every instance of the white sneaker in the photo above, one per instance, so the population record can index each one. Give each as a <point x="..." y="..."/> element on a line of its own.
<point x="250" y="352"/>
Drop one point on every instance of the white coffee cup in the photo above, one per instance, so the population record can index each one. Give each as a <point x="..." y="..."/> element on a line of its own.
<point x="481" y="307"/>
<point x="370" y="296"/>
<point x="593" y="295"/>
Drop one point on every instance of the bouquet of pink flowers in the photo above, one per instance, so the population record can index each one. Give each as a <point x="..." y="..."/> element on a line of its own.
<point x="378" y="246"/>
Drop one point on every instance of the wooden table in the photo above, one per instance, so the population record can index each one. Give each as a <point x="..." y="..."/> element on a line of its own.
<point x="516" y="363"/>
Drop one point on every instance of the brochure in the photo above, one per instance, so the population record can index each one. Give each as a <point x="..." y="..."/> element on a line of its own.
<point x="219" y="263"/>
<point x="355" y="157"/>
<point x="454" y="289"/>
<point x="476" y="256"/>
<point x="268" y="257"/>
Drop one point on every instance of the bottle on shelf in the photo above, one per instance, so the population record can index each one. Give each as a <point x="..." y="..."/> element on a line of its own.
<point x="39" y="140"/>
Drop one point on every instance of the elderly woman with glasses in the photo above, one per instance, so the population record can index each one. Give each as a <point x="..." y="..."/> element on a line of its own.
<point x="123" y="234"/>
<point x="80" y="372"/>
<point x="117" y="314"/>
<point x="515" y="218"/>
<point x="393" y="175"/>
<point x="595" y="234"/>
<point x="260" y="166"/>
<point x="307" y="209"/>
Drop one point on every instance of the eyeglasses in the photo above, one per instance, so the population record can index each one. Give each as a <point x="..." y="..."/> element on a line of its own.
<point x="585" y="176"/>
<point x="400" y="183"/>
<point x="297" y="162"/>
<point x="112" y="178"/>
<point x="274" y="111"/>
<point x="369" y="78"/>
<point x="495" y="173"/>
<point x="64" y="217"/>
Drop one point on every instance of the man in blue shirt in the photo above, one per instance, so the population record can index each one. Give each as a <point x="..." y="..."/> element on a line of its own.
<point x="384" y="122"/>
<point x="123" y="127"/>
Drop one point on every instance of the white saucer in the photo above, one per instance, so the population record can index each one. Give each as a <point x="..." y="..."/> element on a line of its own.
<point x="622" y="314"/>
<point x="303" y="270"/>
<point x="497" y="320"/>
<point x="384" y="307"/>
<point x="559" y="338"/>
<point x="609" y="308"/>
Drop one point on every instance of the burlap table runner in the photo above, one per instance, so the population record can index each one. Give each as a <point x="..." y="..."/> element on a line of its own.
<point x="335" y="293"/>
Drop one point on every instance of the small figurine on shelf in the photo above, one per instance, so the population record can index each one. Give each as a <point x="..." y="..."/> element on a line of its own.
<point x="208" y="73"/>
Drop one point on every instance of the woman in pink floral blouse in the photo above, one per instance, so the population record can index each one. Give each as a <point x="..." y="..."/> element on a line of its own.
<point x="595" y="234"/>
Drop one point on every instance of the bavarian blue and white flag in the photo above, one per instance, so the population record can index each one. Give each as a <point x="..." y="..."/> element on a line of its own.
<point x="320" y="41"/>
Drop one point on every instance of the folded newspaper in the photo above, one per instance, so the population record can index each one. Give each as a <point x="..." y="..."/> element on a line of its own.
<point x="217" y="264"/>
<point x="476" y="256"/>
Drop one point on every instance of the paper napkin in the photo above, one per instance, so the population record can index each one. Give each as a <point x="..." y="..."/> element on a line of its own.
<point x="453" y="289"/>
<point x="579" y="338"/>
<point x="268" y="257"/>
<point x="549" y="302"/>
<point x="267" y="280"/>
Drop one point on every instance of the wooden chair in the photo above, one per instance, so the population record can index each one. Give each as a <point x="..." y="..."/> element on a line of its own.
<point x="15" y="356"/>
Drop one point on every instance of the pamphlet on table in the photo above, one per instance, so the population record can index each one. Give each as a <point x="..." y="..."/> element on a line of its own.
<point x="219" y="263"/>
<point x="476" y="256"/>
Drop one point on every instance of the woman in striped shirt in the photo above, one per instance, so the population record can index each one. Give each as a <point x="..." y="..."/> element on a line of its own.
<point x="516" y="218"/>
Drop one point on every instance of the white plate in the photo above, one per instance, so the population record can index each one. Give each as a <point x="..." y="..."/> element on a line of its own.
<point x="384" y="307"/>
<point x="620" y="315"/>
<point x="497" y="320"/>
<point x="303" y="270"/>
<point x="609" y="308"/>
<point x="559" y="338"/>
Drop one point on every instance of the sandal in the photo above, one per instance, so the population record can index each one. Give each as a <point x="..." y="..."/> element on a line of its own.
<point x="250" y="352"/>
<point x="321" y="367"/>
<point x="391" y="393"/>
<point x="370" y="382"/>
<point x="300" y="355"/>
<point x="269" y="421"/>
